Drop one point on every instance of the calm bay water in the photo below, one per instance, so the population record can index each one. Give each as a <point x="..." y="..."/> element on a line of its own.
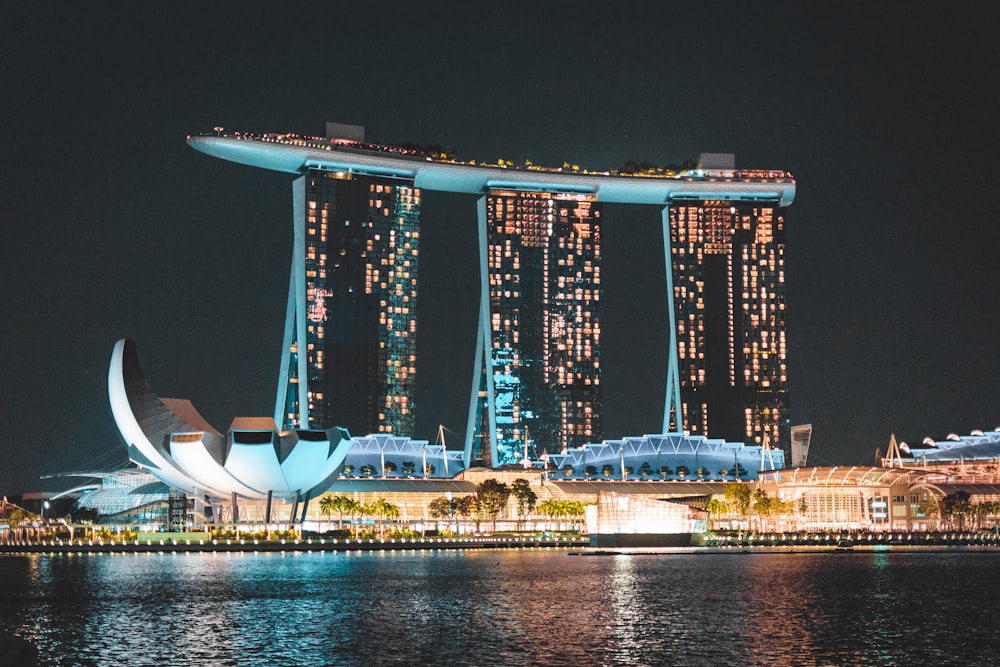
<point x="541" y="607"/>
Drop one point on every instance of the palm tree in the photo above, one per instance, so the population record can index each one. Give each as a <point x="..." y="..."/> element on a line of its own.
<point x="738" y="499"/>
<point x="575" y="509"/>
<point x="328" y="505"/>
<point x="556" y="508"/>
<point x="551" y="508"/>
<point x="387" y="512"/>
<point x="390" y="511"/>
<point x="342" y="505"/>
<point x="346" y="504"/>
<point x="382" y="509"/>
<point x="716" y="508"/>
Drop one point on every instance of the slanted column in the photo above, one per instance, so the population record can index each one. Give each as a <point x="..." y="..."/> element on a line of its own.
<point x="295" y="381"/>
<point x="305" y="508"/>
<point x="482" y="377"/>
<point x="672" y="402"/>
<point x="295" y="509"/>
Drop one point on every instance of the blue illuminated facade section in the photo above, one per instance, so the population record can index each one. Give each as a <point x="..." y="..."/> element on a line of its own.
<point x="977" y="446"/>
<point x="669" y="456"/>
<point x="349" y="351"/>
<point x="538" y="371"/>
<point x="348" y="354"/>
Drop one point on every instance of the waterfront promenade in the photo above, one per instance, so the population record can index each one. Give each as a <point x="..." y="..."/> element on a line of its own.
<point x="712" y="543"/>
<point x="308" y="544"/>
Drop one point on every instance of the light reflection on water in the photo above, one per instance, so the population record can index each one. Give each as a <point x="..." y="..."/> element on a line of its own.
<point x="504" y="608"/>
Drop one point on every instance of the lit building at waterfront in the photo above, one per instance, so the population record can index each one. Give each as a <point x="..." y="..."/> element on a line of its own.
<point x="254" y="460"/>
<point x="349" y="351"/>
<point x="349" y="354"/>
<point x="728" y="278"/>
<point x="976" y="448"/>
<point x="538" y="356"/>
<point x="670" y="456"/>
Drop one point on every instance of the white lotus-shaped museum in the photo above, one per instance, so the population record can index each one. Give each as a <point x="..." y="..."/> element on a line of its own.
<point x="170" y="439"/>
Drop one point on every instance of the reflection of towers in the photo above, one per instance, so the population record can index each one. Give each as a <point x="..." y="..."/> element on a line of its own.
<point x="538" y="346"/>
<point x="350" y="328"/>
<point x="728" y="280"/>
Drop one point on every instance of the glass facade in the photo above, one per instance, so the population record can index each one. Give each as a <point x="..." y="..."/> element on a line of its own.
<point x="539" y="389"/>
<point x="728" y="280"/>
<point x="358" y="276"/>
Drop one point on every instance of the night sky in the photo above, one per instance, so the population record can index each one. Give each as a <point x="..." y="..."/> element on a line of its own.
<point x="113" y="227"/>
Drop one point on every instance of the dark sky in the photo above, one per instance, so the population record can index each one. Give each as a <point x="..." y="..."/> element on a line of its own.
<point x="113" y="227"/>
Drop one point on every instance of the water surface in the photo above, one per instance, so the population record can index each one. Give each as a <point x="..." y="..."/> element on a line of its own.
<point x="516" y="607"/>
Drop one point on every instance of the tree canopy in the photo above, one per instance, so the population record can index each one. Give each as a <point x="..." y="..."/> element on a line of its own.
<point x="492" y="497"/>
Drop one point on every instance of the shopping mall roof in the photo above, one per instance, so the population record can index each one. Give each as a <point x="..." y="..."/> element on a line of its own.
<point x="844" y="476"/>
<point x="389" y="485"/>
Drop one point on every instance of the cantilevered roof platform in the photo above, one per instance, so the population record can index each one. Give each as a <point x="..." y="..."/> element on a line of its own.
<point x="294" y="154"/>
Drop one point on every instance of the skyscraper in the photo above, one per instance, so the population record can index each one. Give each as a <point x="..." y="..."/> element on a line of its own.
<point x="728" y="281"/>
<point x="351" y="322"/>
<point x="348" y="356"/>
<point x="537" y="384"/>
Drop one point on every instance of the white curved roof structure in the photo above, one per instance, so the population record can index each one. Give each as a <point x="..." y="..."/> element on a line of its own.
<point x="293" y="154"/>
<point x="976" y="446"/>
<point x="649" y="454"/>
<point x="172" y="441"/>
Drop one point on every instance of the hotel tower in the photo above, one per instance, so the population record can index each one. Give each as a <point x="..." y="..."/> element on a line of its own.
<point x="351" y="322"/>
<point x="727" y="261"/>
<point x="349" y="357"/>
<point x="537" y="382"/>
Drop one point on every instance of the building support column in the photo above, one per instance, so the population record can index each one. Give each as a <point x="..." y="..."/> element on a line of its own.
<point x="295" y="510"/>
<point x="305" y="508"/>
<point x="672" y="401"/>
<point x="483" y="367"/>
<point x="295" y="320"/>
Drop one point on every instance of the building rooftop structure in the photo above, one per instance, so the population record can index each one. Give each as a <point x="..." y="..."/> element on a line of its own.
<point x="494" y="436"/>
<point x="876" y="498"/>
<point x="297" y="154"/>
<point x="675" y="456"/>
<point x="976" y="446"/>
